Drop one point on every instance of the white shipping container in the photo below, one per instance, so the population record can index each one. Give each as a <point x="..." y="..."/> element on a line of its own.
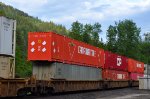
<point x="146" y="69"/>
<point x="144" y="83"/>
<point x="7" y="67"/>
<point x="146" y="76"/>
<point x="7" y="36"/>
<point x="47" y="71"/>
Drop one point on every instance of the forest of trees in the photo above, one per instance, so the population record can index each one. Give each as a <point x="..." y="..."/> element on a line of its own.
<point x="123" y="37"/>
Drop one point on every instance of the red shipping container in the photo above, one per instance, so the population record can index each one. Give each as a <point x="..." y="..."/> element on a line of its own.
<point x="135" y="76"/>
<point x="49" y="46"/>
<point x="115" y="61"/>
<point x="108" y="74"/>
<point x="135" y="66"/>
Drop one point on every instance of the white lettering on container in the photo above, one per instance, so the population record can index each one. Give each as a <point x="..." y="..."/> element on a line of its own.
<point x="119" y="61"/>
<point x="86" y="51"/>
<point x="119" y="76"/>
<point x="139" y="65"/>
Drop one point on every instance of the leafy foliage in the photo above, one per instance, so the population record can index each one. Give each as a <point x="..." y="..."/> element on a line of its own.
<point x="76" y="31"/>
<point x="145" y="49"/>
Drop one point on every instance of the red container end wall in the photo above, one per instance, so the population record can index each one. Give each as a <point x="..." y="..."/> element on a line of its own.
<point x="135" y="76"/>
<point x="54" y="47"/>
<point x="135" y="66"/>
<point x="140" y="67"/>
<point x="131" y="65"/>
<point x="115" y="61"/>
<point x="114" y="75"/>
<point x="39" y="46"/>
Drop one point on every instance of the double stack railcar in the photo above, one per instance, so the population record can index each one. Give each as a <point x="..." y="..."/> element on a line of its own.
<point x="62" y="64"/>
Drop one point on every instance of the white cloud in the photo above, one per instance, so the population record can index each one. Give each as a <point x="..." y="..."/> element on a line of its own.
<point x="103" y="10"/>
<point x="117" y="8"/>
<point x="69" y="10"/>
<point x="63" y="19"/>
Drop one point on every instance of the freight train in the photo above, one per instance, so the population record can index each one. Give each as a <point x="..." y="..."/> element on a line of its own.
<point x="62" y="64"/>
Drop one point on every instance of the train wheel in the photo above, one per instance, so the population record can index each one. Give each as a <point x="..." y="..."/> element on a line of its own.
<point x="23" y="92"/>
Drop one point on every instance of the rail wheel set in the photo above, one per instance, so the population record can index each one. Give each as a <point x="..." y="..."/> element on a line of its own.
<point x="62" y="64"/>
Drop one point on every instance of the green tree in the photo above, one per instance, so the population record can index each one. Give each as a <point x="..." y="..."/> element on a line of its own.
<point x="86" y="36"/>
<point x="111" y="38"/>
<point x="145" y="48"/>
<point x="147" y="37"/>
<point x="76" y="31"/>
<point x="95" y="34"/>
<point x="125" y="37"/>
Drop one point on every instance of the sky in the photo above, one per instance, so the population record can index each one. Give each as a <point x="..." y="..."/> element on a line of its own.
<point x="106" y="12"/>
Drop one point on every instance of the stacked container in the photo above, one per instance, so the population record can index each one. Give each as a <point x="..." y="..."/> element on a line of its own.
<point x="54" y="70"/>
<point x="7" y="47"/>
<point x="147" y="70"/>
<point x="144" y="82"/>
<point x="54" y="47"/>
<point x="115" y="67"/>
<point x="80" y="60"/>
<point x="135" y="69"/>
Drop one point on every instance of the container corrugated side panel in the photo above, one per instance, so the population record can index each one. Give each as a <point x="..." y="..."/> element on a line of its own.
<point x="75" y="52"/>
<point x="7" y="67"/>
<point x="139" y="67"/>
<point x="146" y="69"/>
<point x="144" y="83"/>
<point x="147" y="76"/>
<point x="6" y="36"/>
<point x="47" y="71"/>
<point x="135" y="76"/>
<point x="114" y="75"/>
<point x="1" y="35"/>
<point x="131" y="65"/>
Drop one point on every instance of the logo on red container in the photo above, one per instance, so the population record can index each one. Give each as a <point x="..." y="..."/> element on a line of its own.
<point x="119" y="61"/>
